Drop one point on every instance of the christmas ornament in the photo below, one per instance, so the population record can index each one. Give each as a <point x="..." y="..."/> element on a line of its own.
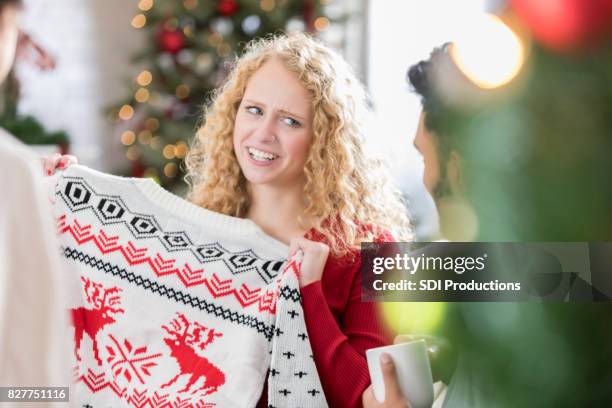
<point x="165" y="61"/>
<point x="566" y="24"/>
<point x="227" y="7"/>
<point x="223" y="26"/>
<point x="184" y="57"/>
<point x="171" y="41"/>
<point x="295" y="24"/>
<point x="251" y="24"/>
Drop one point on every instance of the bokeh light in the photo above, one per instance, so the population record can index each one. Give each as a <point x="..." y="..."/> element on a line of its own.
<point x="144" y="78"/>
<point x="141" y="95"/>
<point x="267" y="5"/>
<point x="413" y="317"/>
<point x="128" y="138"/>
<point x="139" y="21"/>
<point x="170" y="170"/>
<point x="126" y="112"/>
<point x="321" y="23"/>
<point x="489" y="53"/>
<point x="145" y="5"/>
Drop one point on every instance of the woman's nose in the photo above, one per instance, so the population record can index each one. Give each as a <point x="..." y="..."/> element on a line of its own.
<point x="266" y="131"/>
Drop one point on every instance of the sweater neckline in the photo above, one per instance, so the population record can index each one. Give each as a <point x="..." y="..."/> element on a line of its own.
<point x="226" y="223"/>
<point x="199" y="216"/>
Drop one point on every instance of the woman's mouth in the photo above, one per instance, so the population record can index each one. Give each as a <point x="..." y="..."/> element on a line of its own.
<point x="261" y="156"/>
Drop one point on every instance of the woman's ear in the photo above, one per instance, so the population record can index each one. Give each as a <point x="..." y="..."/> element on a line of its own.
<point x="454" y="173"/>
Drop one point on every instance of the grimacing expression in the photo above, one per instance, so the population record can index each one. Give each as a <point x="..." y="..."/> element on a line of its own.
<point x="273" y="127"/>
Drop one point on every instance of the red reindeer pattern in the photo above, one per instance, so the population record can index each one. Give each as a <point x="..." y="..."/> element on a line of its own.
<point x="91" y="321"/>
<point x="183" y="348"/>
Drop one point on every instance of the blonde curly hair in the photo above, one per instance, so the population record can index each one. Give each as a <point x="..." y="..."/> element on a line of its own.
<point x="348" y="197"/>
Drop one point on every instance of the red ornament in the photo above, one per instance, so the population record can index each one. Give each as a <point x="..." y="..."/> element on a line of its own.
<point x="565" y="25"/>
<point x="171" y="41"/>
<point x="227" y="7"/>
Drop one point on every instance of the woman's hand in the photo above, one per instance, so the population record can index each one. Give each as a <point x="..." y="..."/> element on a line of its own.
<point x="313" y="262"/>
<point x="57" y="161"/>
<point x="393" y="393"/>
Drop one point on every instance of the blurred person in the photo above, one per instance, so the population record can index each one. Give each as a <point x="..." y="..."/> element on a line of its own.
<point x="33" y="349"/>
<point x="535" y="165"/>
<point x="443" y="173"/>
<point x="443" y="179"/>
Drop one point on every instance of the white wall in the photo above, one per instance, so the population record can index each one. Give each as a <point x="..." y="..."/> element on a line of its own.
<point x="91" y="40"/>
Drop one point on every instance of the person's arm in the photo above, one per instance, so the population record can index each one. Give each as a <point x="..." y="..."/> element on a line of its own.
<point x="339" y="350"/>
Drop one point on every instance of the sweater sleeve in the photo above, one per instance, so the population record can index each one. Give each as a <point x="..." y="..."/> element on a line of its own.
<point x="339" y="349"/>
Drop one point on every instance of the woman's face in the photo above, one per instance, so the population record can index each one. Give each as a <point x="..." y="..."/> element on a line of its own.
<point x="273" y="127"/>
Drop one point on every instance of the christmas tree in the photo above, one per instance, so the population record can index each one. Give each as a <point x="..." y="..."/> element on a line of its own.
<point x="191" y="44"/>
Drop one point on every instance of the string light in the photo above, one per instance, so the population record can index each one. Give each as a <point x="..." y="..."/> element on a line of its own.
<point x="145" y="5"/>
<point x="141" y="95"/>
<point x="321" y="23"/>
<point x="132" y="153"/>
<point x="182" y="91"/>
<point x="152" y="124"/>
<point x="181" y="150"/>
<point x="190" y="4"/>
<point x="251" y="24"/>
<point x="144" y="137"/>
<point x="139" y="21"/>
<point x="128" y="138"/>
<point x="144" y="78"/>
<point x="169" y="151"/>
<point x="267" y="5"/>
<point x="126" y="112"/>
<point x="170" y="170"/>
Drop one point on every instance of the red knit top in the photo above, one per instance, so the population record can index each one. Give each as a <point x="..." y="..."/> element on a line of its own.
<point x="341" y="328"/>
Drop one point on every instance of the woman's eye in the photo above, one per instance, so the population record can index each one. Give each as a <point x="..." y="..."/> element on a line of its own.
<point x="291" y="122"/>
<point x="254" y="110"/>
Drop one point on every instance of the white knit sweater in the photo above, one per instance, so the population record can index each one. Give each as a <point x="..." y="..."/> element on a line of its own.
<point x="174" y="305"/>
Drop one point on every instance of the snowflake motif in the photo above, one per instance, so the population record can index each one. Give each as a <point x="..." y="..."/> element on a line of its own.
<point x="128" y="361"/>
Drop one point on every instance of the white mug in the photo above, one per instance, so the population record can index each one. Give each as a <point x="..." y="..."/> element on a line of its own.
<point x="412" y="369"/>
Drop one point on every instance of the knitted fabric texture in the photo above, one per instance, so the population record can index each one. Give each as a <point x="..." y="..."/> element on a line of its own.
<point x="176" y="306"/>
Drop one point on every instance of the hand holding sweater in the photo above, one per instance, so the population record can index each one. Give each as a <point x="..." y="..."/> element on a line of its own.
<point x="315" y="257"/>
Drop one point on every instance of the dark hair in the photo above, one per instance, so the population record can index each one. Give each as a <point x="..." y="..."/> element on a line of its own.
<point x="438" y="115"/>
<point x="421" y="78"/>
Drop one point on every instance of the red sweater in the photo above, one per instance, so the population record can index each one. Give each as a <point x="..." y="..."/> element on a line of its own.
<point x="341" y="328"/>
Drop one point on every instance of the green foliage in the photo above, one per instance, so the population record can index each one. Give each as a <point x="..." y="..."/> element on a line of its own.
<point x="30" y="131"/>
